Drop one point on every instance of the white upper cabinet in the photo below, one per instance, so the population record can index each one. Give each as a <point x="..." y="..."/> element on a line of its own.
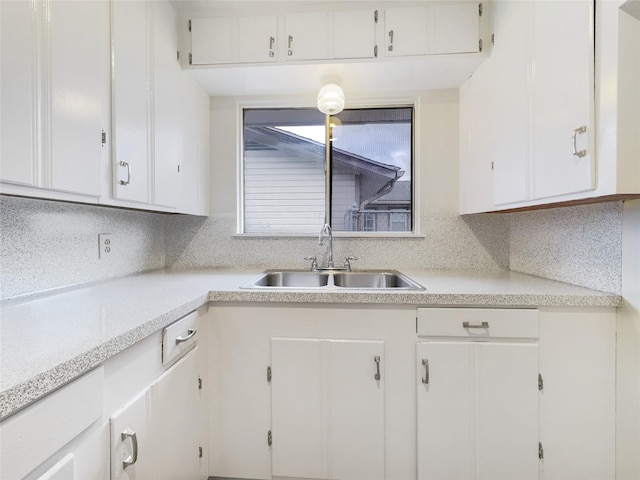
<point x="79" y="87"/>
<point x="55" y="94"/>
<point x="562" y="96"/>
<point x="131" y="44"/>
<point x="539" y="134"/>
<point x="405" y="31"/>
<point x="438" y="28"/>
<point x="247" y="39"/>
<point x="18" y="134"/>
<point x="307" y="35"/>
<point x="354" y="34"/>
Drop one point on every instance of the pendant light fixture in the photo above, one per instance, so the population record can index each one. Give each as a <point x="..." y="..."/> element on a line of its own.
<point x="331" y="99"/>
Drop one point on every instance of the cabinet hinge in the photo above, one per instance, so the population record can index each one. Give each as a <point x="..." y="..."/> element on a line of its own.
<point x="103" y="138"/>
<point x="480" y="45"/>
<point x="540" y="382"/>
<point x="190" y="59"/>
<point x="199" y="383"/>
<point x="199" y="452"/>
<point x="479" y="9"/>
<point x="269" y="374"/>
<point x="189" y="24"/>
<point x="375" y="51"/>
<point x="540" y="451"/>
<point x="269" y="438"/>
<point x="375" y="16"/>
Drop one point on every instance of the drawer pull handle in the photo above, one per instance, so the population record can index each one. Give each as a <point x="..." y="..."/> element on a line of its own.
<point x="377" y="360"/>
<point x="190" y="333"/>
<point x="133" y="458"/>
<point x="470" y="325"/>
<point x="574" y="134"/>
<point x="425" y="379"/>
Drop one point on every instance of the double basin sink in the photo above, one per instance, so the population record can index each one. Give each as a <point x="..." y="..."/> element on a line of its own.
<point x="361" y="279"/>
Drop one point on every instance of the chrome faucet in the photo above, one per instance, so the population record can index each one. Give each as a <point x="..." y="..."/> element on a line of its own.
<point x="326" y="230"/>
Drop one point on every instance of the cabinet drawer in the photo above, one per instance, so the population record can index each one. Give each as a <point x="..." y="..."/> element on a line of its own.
<point x="478" y="322"/>
<point x="179" y="337"/>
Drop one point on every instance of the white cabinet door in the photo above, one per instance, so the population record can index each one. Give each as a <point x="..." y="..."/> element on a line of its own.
<point x="477" y="410"/>
<point x="177" y="417"/>
<point x="132" y="456"/>
<point x="405" y="31"/>
<point x="453" y="28"/>
<point x="255" y="39"/>
<point x="79" y="88"/>
<point x="563" y="97"/>
<point x="307" y="36"/>
<point x="167" y="126"/>
<point x="327" y="408"/>
<point x="18" y="95"/>
<point x="211" y="40"/>
<point x="131" y="99"/>
<point x="354" y="34"/>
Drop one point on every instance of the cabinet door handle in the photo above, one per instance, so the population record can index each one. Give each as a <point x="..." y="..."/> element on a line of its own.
<point x="390" y="47"/>
<point x="377" y="360"/>
<point x="471" y="325"/>
<point x="289" y="42"/>
<point x="272" y="40"/>
<point x="128" y="180"/>
<point x="190" y="333"/>
<point x="133" y="458"/>
<point x="425" y="379"/>
<point x="574" y="134"/>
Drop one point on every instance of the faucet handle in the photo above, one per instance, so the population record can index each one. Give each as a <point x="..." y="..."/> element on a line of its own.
<point x="314" y="263"/>
<point x="347" y="262"/>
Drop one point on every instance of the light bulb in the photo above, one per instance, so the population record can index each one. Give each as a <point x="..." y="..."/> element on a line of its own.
<point x="331" y="99"/>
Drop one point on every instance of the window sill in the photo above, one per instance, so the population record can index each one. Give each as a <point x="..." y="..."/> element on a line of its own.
<point x="361" y="235"/>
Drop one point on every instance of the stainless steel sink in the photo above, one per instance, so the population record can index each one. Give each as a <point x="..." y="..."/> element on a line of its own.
<point x="376" y="279"/>
<point x="359" y="280"/>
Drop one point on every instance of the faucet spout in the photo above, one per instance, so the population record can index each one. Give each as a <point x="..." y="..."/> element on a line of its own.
<point x="326" y="231"/>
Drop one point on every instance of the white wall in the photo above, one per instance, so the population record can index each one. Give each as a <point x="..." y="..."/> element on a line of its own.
<point x="628" y="353"/>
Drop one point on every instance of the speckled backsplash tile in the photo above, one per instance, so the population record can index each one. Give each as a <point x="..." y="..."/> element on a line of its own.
<point x="449" y="242"/>
<point x="581" y="245"/>
<point x="45" y="245"/>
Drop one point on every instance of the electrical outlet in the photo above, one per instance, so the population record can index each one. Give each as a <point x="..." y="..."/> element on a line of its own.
<point x="105" y="245"/>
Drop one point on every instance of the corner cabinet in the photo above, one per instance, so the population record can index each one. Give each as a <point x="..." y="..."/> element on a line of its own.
<point x="527" y="113"/>
<point x="327" y="403"/>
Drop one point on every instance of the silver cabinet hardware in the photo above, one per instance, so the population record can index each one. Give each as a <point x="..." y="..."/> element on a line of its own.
<point x="479" y="9"/>
<point x="471" y="325"/>
<point x="269" y="374"/>
<point x="574" y="134"/>
<point x="200" y="452"/>
<point x="540" y="451"/>
<point x="272" y="40"/>
<point x="199" y="383"/>
<point x="377" y="360"/>
<point x="390" y="47"/>
<point x="269" y="438"/>
<point x="289" y="42"/>
<point x="128" y="180"/>
<point x="104" y="138"/>
<point x="540" y="382"/>
<point x="425" y="379"/>
<point x="190" y="333"/>
<point x="133" y="458"/>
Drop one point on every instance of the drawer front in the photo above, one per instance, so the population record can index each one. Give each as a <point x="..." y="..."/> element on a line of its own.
<point x="179" y="337"/>
<point x="478" y="322"/>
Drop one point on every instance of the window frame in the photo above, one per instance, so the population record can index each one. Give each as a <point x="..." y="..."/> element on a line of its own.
<point x="352" y="103"/>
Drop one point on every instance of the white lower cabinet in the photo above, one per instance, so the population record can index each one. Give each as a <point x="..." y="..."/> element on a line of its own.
<point x="158" y="434"/>
<point x="327" y="406"/>
<point x="477" y="410"/>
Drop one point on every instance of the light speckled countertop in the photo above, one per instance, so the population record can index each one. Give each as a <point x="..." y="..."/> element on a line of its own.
<point x="48" y="340"/>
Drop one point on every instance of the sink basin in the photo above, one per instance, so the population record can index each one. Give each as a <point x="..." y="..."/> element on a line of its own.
<point x="377" y="279"/>
<point x="360" y="280"/>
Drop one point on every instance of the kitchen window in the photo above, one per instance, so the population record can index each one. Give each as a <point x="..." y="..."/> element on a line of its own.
<point x="283" y="170"/>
